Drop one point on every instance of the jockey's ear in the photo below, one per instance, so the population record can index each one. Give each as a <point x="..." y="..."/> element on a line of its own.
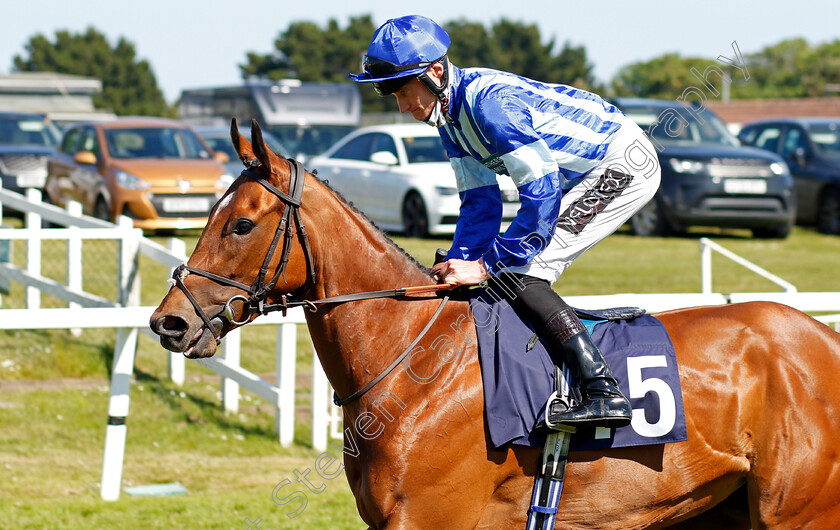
<point x="240" y="144"/>
<point x="258" y="144"/>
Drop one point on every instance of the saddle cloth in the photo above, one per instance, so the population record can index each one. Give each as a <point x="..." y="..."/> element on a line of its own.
<point x="518" y="381"/>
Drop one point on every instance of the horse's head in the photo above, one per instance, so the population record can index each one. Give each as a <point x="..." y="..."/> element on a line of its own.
<point x="252" y="253"/>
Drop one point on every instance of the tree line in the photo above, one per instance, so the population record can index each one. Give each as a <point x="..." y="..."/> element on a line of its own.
<point x="311" y="53"/>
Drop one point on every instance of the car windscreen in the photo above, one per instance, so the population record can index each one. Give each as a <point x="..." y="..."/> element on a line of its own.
<point x="309" y="141"/>
<point x="826" y="137"/>
<point x="678" y="126"/>
<point x="154" y="142"/>
<point x="422" y="149"/>
<point x="222" y="142"/>
<point x="28" y="131"/>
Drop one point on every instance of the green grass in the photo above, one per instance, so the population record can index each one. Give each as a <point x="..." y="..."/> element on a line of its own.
<point x="52" y="435"/>
<point x="51" y="456"/>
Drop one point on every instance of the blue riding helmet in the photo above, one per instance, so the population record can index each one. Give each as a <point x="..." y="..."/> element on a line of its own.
<point x="403" y="49"/>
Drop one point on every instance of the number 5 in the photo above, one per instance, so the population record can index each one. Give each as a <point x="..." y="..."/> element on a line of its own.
<point x="639" y="387"/>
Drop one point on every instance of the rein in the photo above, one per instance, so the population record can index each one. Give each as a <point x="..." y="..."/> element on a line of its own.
<point x="257" y="292"/>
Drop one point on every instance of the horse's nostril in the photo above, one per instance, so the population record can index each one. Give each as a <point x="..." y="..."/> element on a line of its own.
<point x="171" y="325"/>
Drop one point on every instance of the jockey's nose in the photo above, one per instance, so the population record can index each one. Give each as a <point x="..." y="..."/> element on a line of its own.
<point x="403" y="104"/>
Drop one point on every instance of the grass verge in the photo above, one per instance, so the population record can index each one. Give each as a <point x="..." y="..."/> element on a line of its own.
<point x="53" y="399"/>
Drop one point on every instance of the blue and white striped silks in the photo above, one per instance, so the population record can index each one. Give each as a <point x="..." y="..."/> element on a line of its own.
<point x="535" y="132"/>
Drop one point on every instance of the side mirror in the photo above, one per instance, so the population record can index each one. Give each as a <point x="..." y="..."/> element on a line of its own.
<point x="85" y="157"/>
<point x="800" y="156"/>
<point x="386" y="158"/>
<point x="221" y="157"/>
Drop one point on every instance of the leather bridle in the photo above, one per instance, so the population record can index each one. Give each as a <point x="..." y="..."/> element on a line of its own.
<point x="257" y="292"/>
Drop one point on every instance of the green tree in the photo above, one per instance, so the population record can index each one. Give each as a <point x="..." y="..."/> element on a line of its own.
<point x="824" y="64"/>
<point x="313" y="54"/>
<point x="791" y="68"/>
<point x="664" y="77"/>
<point x="516" y="47"/>
<point x="777" y="71"/>
<point x="129" y="86"/>
<point x="788" y="69"/>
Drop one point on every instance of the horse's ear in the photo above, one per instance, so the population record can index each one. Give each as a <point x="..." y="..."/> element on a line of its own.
<point x="258" y="144"/>
<point x="241" y="144"/>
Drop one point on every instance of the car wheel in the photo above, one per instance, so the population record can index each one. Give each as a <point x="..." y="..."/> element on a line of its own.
<point x="828" y="212"/>
<point x="650" y="221"/>
<point x="101" y="210"/>
<point x="773" y="232"/>
<point x="415" y="217"/>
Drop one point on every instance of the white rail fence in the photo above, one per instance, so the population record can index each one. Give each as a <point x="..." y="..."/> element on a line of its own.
<point x="89" y="311"/>
<point x="86" y="310"/>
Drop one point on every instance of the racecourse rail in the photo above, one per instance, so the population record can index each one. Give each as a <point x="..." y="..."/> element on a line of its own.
<point x="86" y="310"/>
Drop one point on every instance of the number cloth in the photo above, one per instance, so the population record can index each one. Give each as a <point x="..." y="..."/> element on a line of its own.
<point x="517" y="383"/>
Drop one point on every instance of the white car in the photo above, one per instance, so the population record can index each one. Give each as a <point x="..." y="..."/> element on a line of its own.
<point x="399" y="176"/>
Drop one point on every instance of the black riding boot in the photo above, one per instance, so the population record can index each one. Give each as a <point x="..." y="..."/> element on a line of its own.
<point x="603" y="404"/>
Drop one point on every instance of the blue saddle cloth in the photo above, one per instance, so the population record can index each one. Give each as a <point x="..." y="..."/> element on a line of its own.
<point x="517" y="382"/>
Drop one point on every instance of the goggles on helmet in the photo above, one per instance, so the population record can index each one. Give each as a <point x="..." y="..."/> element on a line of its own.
<point x="380" y="68"/>
<point x="377" y="67"/>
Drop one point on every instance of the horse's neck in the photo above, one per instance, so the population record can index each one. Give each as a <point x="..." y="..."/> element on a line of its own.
<point x="355" y="256"/>
<point x="356" y="340"/>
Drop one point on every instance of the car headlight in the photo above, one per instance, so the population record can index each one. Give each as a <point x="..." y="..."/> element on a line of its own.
<point x="131" y="182"/>
<point x="779" y="168"/>
<point x="443" y="190"/>
<point x="681" y="165"/>
<point x="224" y="181"/>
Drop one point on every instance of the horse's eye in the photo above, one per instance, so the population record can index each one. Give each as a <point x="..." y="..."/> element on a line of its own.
<point x="242" y="227"/>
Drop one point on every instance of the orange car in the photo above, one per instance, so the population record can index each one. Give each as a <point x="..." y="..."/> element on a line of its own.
<point x="156" y="171"/>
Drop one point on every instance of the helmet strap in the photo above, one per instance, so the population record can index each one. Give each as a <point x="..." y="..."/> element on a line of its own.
<point x="442" y="92"/>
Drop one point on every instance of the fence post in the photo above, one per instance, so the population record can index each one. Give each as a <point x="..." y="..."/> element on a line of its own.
<point x="231" y="349"/>
<point x="128" y="292"/>
<point x="705" y="266"/>
<point x="128" y="277"/>
<point x="320" y="421"/>
<point x="33" y="250"/>
<point x="74" y="258"/>
<point x="5" y="254"/>
<point x="115" y="432"/>
<point x="176" y="366"/>
<point x="284" y="419"/>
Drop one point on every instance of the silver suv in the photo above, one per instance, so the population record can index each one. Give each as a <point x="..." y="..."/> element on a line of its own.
<point x="26" y="142"/>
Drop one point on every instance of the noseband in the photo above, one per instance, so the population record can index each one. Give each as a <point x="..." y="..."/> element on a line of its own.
<point x="257" y="292"/>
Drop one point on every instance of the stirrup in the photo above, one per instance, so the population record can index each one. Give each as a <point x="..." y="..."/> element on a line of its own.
<point x="546" y="422"/>
<point x="548" y="486"/>
<point x="564" y="395"/>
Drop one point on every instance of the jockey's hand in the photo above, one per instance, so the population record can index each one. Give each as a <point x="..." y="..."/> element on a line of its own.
<point x="459" y="272"/>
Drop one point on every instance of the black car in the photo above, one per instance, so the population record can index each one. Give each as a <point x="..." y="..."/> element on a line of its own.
<point x="26" y="142"/>
<point x="811" y="147"/>
<point x="708" y="178"/>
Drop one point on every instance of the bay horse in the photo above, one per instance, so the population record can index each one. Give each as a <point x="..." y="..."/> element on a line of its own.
<point x="758" y="380"/>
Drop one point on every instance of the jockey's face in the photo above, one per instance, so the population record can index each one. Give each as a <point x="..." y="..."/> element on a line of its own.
<point x="415" y="98"/>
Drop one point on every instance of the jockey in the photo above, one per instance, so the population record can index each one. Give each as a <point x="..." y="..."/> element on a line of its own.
<point x="581" y="167"/>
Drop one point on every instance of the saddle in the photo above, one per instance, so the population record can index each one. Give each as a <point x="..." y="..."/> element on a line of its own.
<point x="591" y="317"/>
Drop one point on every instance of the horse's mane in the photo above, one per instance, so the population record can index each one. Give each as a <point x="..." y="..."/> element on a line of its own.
<point x="425" y="270"/>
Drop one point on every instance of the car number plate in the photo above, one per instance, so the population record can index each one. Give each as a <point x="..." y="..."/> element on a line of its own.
<point x="754" y="186"/>
<point x="31" y="181"/>
<point x="187" y="204"/>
